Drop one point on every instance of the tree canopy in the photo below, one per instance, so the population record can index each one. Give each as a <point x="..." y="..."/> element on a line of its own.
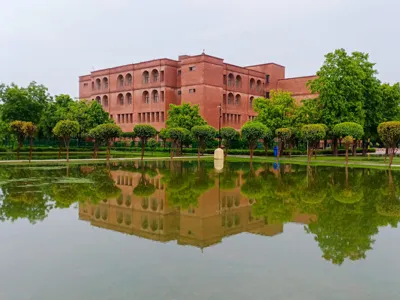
<point x="184" y="116"/>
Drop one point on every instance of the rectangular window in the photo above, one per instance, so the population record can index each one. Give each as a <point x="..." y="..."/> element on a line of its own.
<point x="85" y="84"/>
<point x="162" y="116"/>
<point x="123" y="118"/>
<point x="119" y="118"/>
<point x="162" y="96"/>
<point x="131" y="117"/>
<point x="239" y="118"/>
<point x="179" y="72"/>
<point x="157" y="117"/>
<point x="152" y="117"/>
<point x="162" y="76"/>
<point x="179" y="92"/>
<point x="148" y="117"/>
<point x="192" y="68"/>
<point x="267" y="95"/>
<point x="111" y="116"/>
<point x="224" y="98"/>
<point x="192" y="91"/>
<point x="267" y="78"/>
<point x="139" y="117"/>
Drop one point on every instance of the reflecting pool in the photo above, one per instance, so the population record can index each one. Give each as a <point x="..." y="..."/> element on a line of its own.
<point x="182" y="230"/>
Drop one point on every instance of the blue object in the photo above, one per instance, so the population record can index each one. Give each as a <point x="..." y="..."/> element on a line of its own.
<point x="276" y="151"/>
<point x="277" y="166"/>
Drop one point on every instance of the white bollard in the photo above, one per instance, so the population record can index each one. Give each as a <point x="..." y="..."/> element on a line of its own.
<point x="218" y="159"/>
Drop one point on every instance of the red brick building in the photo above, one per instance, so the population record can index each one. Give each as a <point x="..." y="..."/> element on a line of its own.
<point x="142" y="92"/>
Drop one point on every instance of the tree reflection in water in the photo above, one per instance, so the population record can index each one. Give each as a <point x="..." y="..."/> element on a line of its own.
<point x="342" y="208"/>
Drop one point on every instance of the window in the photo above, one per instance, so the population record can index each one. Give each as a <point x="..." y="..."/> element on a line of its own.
<point x="98" y="100"/>
<point x="192" y="68"/>
<point x="230" y="98"/>
<point x="154" y="96"/>
<point x="267" y="78"/>
<point x="179" y="72"/>
<point x="251" y="101"/>
<point x="154" y="75"/>
<point x="105" y="101"/>
<point x="162" y="116"/>
<point x="128" y="79"/>
<point x="139" y="117"/>
<point x="157" y="117"/>
<point x="252" y="83"/>
<point x="105" y="83"/>
<point x="85" y="84"/>
<point x="224" y="98"/>
<point x="231" y="79"/>
<point x="146" y="97"/>
<point x="162" y="76"/>
<point x="121" y="99"/>
<point x="145" y="77"/>
<point x="192" y="91"/>
<point x="120" y="81"/>
<point x="237" y="99"/>
<point x="129" y="98"/>
<point x="119" y="118"/>
<point x="98" y="84"/>
<point x="259" y="85"/>
<point x="224" y="80"/>
<point x="131" y="118"/>
<point x="238" y="81"/>
<point x="162" y="96"/>
<point x="179" y="92"/>
<point x="267" y="95"/>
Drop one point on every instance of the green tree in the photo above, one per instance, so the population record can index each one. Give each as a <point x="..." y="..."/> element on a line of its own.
<point x="228" y="135"/>
<point x="349" y="129"/>
<point x="25" y="104"/>
<point x="144" y="132"/>
<point x="313" y="134"/>
<point x="29" y="129"/>
<point x="348" y="90"/>
<point x="310" y="112"/>
<point x="203" y="134"/>
<point x="163" y="135"/>
<point x="391" y="102"/>
<point x="184" y="116"/>
<point x="108" y="133"/>
<point x="66" y="129"/>
<point x="177" y="135"/>
<point x="267" y="138"/>
<point x="284" y="135"/>
<point x="95" y="135"/>
<point x="152" y="144"/>
<point x="278" y="111"/>
<point x="17" y="127"/>
<point x="252" y="132"/>
<point x="389" y="132"/>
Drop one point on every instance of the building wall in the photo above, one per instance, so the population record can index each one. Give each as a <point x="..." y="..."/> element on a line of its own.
<point x="202" y="79"/>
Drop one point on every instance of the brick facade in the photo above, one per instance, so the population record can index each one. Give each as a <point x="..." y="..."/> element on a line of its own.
<point x="142" y="92"/>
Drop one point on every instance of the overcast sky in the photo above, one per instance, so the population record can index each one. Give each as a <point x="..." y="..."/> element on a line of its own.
<point x="55" y="41"/>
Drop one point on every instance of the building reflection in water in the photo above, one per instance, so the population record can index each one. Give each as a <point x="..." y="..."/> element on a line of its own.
<point x="219" y="213"/>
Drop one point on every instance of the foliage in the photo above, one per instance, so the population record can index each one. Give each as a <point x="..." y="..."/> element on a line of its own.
<point x="106" y="133"/>
<point x="389" y="132"/>
<point x="348" y="140"/>
<point x="163" y="135"/>
<point x="313" y="133"/>
<point x="276" y="112"/>
<point x="144" y="132"/>
<point x="152" y="144"/>
<point x="185" y="116"/>
<point x="348" y="129"/>
<point x="65" y="130"/>
<point x="284" y="134"/>
<point x="203" y="134"/>
<point x="252" y="132"/>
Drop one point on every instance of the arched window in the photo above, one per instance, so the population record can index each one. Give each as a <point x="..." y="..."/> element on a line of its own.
<point x="105" y="83"/>
<point x="92" y="86"/>
<point x="258" y="85"/>
<point x="121" y="99"/>
<point x="251" y="101"/>
<point x="238" y="81"/>
<point x="237" y="99"/>
<point x="145" y="77"/>
<point x="129" y="98"/>
<point x="154" y="75"/>
<point x="154" y="96"/>
<point x="252" y="83"/>
<point x="98" y="84"/>
<point x="146" y="97"/>
<point x="231" y="79"/>
<point x="230" y="98"/>
<point x="98" y="99"/>
<point x="105" y="101"/>
<point x="128" y="79"/>
<point x="120" y="81"/>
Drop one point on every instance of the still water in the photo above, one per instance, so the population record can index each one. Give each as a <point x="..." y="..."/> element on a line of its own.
<point x="181" y="230"/>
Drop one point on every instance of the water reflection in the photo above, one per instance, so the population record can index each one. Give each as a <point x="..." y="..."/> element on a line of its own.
<point x="190" y="203"/>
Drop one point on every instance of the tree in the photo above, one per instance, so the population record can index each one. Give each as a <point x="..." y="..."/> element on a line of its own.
<point x="228" y="134"/>
<point x="66" y="129"/>
<point x="391" y="102"/>
<point x="17" y="127"/>
<point x="349" y="129"/>
<point x="184" y="116"/>
<point x="152" y="144"/>
<point x="108" y="133"/>
<point x="144" y="132"/>
<point x="177" y="135"/>
<point x="348" y="90"/>
<point x="347" y="141"/>
<point x="163" y="135"/>
<point x="313" y="134"/>
<point x="278" y="111"/>
<point x="203" y="134"/>
<point x="29" y="130"/>
<point x="95" y="135"/>
<point x="389" y="132"/>
<point x="252" y="132"/>
<point x="284" y="135"/>
<point x="310" y="112"/>
<point x="25" y="104"/>
<point x="268" y="136"/>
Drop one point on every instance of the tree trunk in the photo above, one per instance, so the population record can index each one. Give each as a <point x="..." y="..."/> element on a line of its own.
<point x="143" y="144"/>
<point x="290" y="149"/>
<point x="59" y="148"/>
<point x="266" y="149"/>
<point x="310" y="152"/>
<point x="335" y="146"/>
<point x="386" y="153"/>
<point x="109" y="150"/>
<point x="30" y="148"/>
<point x="19" y="148"/>
<point x="251" y="154"/>
<point x="391" y="157"/>
<point x="347" y="154"/>
<point x="354" y="148"/>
